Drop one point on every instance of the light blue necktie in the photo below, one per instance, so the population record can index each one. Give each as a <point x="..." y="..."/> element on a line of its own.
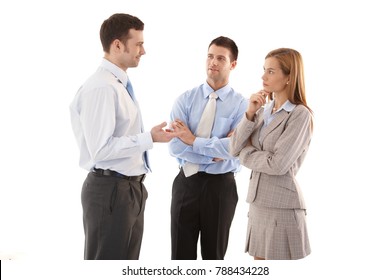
<point x="129" y="88"/>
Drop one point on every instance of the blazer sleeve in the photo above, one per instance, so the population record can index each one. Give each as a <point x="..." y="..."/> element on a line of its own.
<point x="289" y="146"/>
<point x="242" y="133"/>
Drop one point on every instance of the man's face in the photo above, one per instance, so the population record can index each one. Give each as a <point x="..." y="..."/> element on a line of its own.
<point x="218" y="63"/>
<point x="133" y="49"/>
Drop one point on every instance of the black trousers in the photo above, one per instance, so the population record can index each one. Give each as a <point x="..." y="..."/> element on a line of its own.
<point x="202" y="204"/>
<point x="113" y="216"/>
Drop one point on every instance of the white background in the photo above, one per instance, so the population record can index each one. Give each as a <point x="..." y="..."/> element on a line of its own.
<point x="48" y="50"/>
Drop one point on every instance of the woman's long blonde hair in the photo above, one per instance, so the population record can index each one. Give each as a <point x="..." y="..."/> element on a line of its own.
<point x="291" y="64"/>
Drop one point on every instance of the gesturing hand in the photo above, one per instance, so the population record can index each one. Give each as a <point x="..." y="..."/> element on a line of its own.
<point x="161" y="135"/>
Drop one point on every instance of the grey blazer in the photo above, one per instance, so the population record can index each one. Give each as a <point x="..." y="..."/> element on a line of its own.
<point x="275" y="158"/>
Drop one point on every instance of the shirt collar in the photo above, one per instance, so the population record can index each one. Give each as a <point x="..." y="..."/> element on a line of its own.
<point x="222" y="92"/>
<point x="115" y="70"/>
<point x="287" y="106"/>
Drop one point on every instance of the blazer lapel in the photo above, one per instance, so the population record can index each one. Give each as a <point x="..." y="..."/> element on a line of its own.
<point x="280" y="116"/>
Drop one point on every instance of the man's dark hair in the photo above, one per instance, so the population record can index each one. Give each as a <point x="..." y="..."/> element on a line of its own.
<point x="117" y="27"/>
<point x="226" y="43"/>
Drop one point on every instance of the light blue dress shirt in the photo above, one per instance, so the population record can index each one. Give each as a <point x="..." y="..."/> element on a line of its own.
<point x="188" y="107"/>
<point x="107" y="124"/>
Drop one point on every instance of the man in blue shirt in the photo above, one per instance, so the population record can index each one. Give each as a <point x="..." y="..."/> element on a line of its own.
<point x="204" y="197"/>
<point x="108" y="127"/>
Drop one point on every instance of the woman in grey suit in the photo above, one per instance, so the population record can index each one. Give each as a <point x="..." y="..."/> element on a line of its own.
<point x="272" y="140"/>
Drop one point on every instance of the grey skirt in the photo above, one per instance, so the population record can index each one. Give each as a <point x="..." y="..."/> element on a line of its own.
<point x="277" y="234"/>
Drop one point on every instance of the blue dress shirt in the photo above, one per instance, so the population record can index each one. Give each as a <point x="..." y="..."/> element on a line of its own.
<point x="188" y="107"/>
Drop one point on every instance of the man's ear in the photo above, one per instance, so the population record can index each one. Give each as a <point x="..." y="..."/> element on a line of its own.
<point x="233" y="65"/>
<point x="116" y="46"/>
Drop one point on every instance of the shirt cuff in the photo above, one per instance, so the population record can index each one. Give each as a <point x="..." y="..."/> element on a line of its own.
<point x="145" y="141"/>
<point x="198" y="144"/>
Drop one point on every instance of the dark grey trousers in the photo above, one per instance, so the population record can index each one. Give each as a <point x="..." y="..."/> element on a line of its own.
<point x="202" y="204"/>
<point x="113" y="217"/>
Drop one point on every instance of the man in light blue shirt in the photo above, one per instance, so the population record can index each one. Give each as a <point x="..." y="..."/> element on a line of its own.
<point x="204" y="200"/>
<point x="108" y="127"/>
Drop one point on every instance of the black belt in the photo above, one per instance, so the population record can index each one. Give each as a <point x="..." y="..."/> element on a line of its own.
<point x="107" y="172"/>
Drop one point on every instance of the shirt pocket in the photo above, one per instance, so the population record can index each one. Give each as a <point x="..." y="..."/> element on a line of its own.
<point x="222" y="127"/>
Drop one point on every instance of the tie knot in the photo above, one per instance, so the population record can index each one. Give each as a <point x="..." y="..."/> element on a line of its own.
<point x="213" y="95"/>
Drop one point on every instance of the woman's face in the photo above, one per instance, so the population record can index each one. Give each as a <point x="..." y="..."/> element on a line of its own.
<point x="274" y="80"/>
